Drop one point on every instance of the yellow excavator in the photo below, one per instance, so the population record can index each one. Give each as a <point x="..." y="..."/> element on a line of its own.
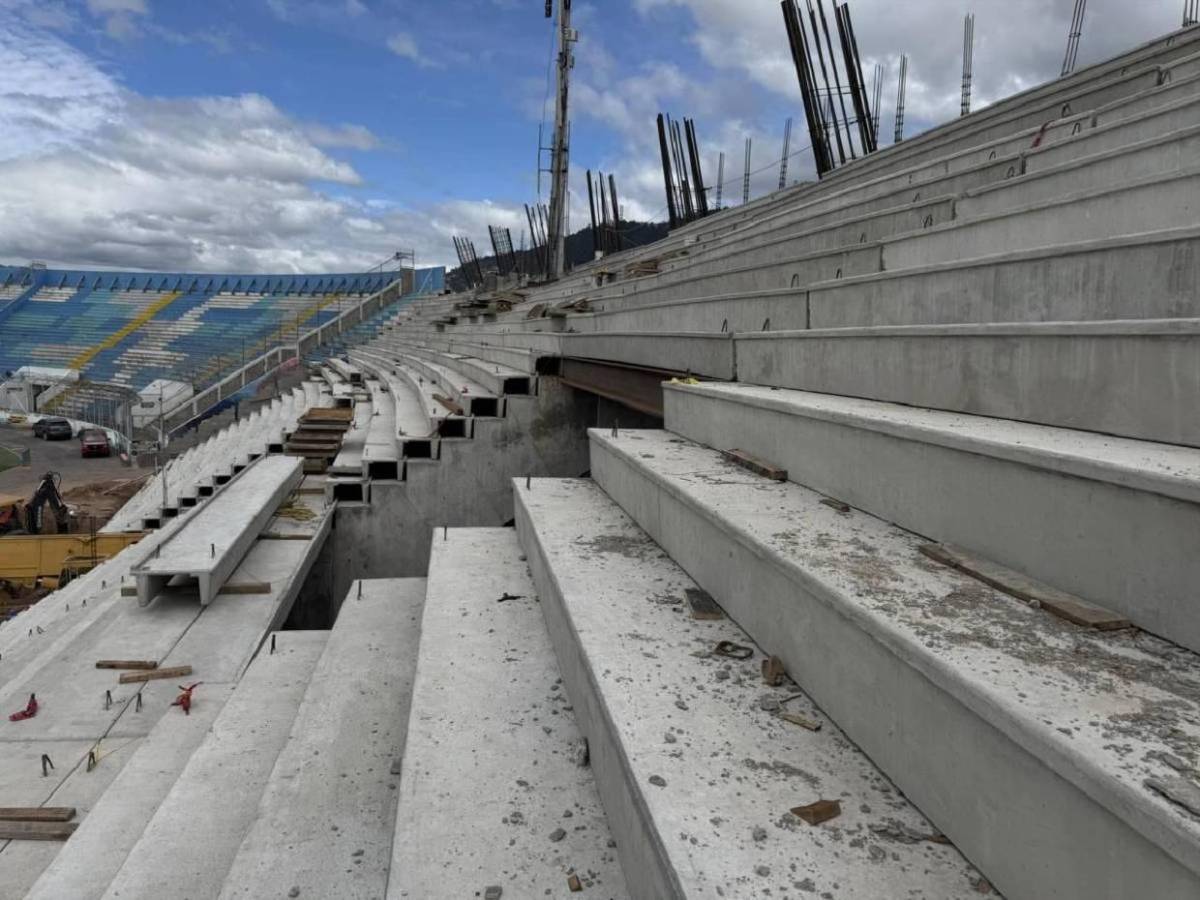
<point x="32" y="559"/>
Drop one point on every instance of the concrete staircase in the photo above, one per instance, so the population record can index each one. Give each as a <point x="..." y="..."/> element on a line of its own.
<point x="960" y="377"/>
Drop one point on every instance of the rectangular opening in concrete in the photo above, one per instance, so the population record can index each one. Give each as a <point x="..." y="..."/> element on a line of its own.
<point x="453" y="428"/>
<point x="418" y="449"/>
<point x="205" y="490"/>
<point x="187" y="502"/>
<point x="516" y="386"/>
<point x="151" y="524"/>
<point x="384" y="471"/>
<point x="222" y="479"/>
<point x="275" y="448"/>
<point x="548" y="365"/>
<point x="170" y="512"/>
<point x="348" y="491"/>
<point x="488" y="407"/>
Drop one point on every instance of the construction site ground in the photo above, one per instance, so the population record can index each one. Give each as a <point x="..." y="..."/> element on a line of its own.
<point x="93" y="485"/>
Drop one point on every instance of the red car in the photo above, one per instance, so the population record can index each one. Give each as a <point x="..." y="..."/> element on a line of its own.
<point x="94" y="442"/>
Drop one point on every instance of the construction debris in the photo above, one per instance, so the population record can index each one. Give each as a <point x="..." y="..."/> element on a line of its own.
<point x="772" y="671"/>
<point x="126" y="664"/>
<point x="802" y="721"/>
<point x="184" y="700"/>
<point x="753" y="464"/>
<point x="37" y="831"/>
<point x="816" y="813"/>
<point x="703" y="605"/>
<point x="156" y="675"/>
<point x="37" y="813"/>
<point x="30" y="710"/>
<point x="1035" y="593"/>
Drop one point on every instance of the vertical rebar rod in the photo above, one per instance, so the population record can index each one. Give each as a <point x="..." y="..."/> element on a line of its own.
<point x="899" y="135"/>
<point x="720" y="179"/>
<point x="837" y="131"/>
<point x="1073" y="37"/>
<point x="802" y="62"/>
<point x="612" y="186"/>
<point x="968" y="62"/>
<point x="787" y="150"/>
<point x="746" y="178"/>
<point x="672" y="213"/>
<point x="837" y="80"/>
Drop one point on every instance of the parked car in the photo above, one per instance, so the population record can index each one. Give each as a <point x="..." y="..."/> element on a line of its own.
<point x="94" y="442"/>
<point x="52" y="428"/>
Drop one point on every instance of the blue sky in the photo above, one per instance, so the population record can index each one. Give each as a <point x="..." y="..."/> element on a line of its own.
<point x="307" y="135"/>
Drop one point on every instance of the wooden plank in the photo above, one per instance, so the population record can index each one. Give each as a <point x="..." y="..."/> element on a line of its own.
<point x="702" y="604"/>
<point x="37" y="831"/>
<point x="37" y="813"/>
<point x="126" y="664"/>
<point x="816" y="813"/>
<point x="1060" y="603"/>
<point x="754" y="464"/>
<point x="450" y="405"/>
<point x="156" y="675"/>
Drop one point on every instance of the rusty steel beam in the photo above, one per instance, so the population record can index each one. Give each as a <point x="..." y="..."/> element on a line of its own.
<point x="637" y="387"/>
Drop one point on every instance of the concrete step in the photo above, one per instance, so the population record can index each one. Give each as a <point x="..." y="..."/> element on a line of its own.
<point x="327" y="815"/>
<point x="86" y="865"/>
<point x="1108" y="519"/>
<point x="686" y="756"/>
<point x="415" y="428"/>
<point x="1125" y="164"/>
<point x="1148" y="276"/>
<point x="1027" y="740"/>
<point x="381" y="454"/>
<point x="1149" y="204"/>
<point x="493" y="378"/>
<point x="193" y="837"/>
<point x="1137" y="379"/>
<point x="453" y="384"/>
<point x="491" y="792"/>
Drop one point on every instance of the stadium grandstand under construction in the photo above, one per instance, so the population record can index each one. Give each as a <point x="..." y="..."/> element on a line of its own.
<point x="841" y="544"/>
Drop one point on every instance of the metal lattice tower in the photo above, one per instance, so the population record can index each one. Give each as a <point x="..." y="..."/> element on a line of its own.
<point x="560" y="154"/>
<point x="968" y="61"/>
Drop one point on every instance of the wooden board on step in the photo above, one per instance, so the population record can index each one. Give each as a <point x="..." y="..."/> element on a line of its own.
<point x="1035" y="593"/>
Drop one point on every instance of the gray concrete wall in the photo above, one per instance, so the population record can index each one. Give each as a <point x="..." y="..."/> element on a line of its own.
<point x="469" y="486"/>
<point x="1135" y="379"/>
<point x="1111" y="521"/>
<point x="1143" y="277"/>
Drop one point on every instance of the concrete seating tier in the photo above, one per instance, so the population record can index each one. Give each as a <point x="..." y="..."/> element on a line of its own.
<point x="987" y="713"/>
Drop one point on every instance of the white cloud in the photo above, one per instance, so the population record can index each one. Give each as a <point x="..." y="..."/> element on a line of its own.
<point x="94" y="175"/>
<point x="405" y="46"/>
<point x="354" y="137"/>
<point x="101" y="7"/>
<point x="120" y="17"/>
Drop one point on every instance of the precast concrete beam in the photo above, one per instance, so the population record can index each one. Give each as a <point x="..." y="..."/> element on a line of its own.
<point x="216" y="536"/>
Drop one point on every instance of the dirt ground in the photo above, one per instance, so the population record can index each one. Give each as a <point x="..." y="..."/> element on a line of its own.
<point x="95" y="487"/>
